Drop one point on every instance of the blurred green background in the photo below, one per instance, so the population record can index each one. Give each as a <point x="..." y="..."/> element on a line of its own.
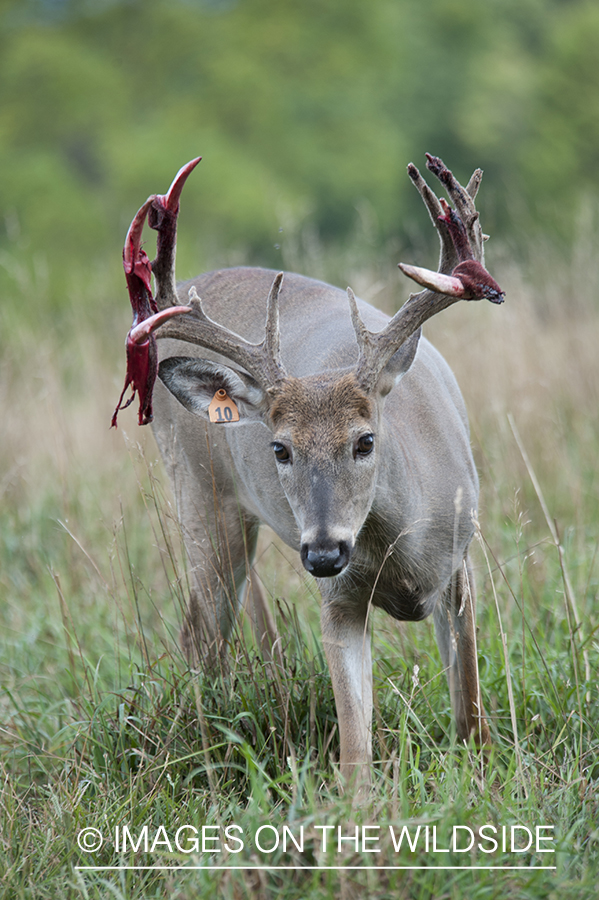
<point x="306" y="114"/>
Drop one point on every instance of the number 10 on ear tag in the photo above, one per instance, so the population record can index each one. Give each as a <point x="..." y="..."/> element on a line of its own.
<point x="222" y="409"/>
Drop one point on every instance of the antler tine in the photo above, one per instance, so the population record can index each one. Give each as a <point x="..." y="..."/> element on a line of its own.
<point x="474" y="183"/>
<point x="262" y="360"/>
<point x="463" y="200"/>
<point x="272" y="333"/>
<point x="447" y="251"/>
<point x="163" y="211"/>
<point x="369" y="346"/>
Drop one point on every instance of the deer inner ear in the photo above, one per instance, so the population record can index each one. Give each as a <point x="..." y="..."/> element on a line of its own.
<point x="195" y="383"/>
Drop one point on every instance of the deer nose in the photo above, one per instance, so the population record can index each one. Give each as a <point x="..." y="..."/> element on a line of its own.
<point x="324" y="561"/>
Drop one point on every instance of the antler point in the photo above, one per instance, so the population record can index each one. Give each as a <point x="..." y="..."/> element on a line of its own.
<point x="195" y="301"/>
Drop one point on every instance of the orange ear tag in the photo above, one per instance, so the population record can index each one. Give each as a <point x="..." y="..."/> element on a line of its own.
<point x="222" y="409"/>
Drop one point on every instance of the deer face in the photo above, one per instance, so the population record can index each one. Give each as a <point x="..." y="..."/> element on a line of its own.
<point x="324" y="442"/>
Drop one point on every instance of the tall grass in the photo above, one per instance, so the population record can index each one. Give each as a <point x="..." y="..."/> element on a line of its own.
<point x="102" y="724"/>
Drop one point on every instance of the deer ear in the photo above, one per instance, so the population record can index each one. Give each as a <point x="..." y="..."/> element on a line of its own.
<point x="399" y="364"/>
<point x="194" y="382"/>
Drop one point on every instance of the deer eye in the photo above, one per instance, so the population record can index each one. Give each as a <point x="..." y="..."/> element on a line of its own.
<point x="364" y="445"/>
<point x="281" y="452"/>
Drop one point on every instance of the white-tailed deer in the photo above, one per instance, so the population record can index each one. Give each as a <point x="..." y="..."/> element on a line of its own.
<point x="341" y="429"/>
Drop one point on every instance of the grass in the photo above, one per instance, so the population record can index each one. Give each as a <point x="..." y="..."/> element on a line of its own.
<point x="103" y="726"/>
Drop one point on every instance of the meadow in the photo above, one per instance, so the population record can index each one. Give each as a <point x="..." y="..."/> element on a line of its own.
<point x="103" y="726"/>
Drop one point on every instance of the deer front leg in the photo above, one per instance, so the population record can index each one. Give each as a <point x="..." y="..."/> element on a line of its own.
<point x="346" y="641"/>
<point x="220" y="588"/>
<point x="264" y="625"/>
<point x="455" y="628"/>
<point x="217" y="550"/>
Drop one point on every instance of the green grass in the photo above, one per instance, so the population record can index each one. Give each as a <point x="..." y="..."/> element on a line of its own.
<point x="103" y="725"/>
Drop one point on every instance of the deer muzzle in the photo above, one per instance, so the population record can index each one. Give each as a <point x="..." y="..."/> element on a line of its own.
<point x="325" y="558"/>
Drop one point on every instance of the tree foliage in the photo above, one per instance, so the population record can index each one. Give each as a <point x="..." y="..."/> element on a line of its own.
<point x="302" y="112"/>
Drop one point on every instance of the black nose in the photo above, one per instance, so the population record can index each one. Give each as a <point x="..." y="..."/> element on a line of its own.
<point x="324" y="561"/>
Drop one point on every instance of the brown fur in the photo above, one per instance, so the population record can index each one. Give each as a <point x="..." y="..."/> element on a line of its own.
<point x="317" y="412"/>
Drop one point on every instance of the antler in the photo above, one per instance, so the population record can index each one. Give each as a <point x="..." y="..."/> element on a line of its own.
<point x="162" y="217"/>
<point x="142" y="355"/>
<point x="262" y="360"/>
<point x="459" y="232"/>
